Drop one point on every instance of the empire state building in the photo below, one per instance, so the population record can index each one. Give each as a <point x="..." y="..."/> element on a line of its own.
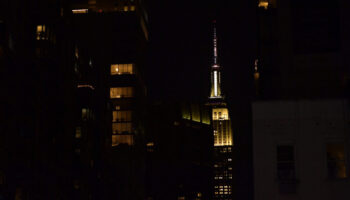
<point x="222" y="131"/>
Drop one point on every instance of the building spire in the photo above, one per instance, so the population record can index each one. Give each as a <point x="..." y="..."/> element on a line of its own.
<point x="215" y="44"/>
<point x="215" y="70"/>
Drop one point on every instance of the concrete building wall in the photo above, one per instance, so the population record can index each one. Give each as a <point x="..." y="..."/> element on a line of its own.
<point x="309" y="125"/>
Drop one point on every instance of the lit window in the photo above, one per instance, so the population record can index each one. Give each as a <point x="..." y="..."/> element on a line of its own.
<point x="86" y="114"/>
<point x="122" y="116"/>
<point x="336" y="161"/>
<point x="124" y="127"/>
<point x="285" y="162"/>
<point x="150" y="144"/>
<point x="121" y="92"/>
<point x="220" y="114"/>
<point x="41" y="32"/>
<point x="263" y="4"/>
<point x="78" y="132"/>
<point x="117" y="69"/>
<point x="132" y="8"/>
<point x="80" y="11"/>
<point x="122" y="139"/>
<point x="150" y="147"/>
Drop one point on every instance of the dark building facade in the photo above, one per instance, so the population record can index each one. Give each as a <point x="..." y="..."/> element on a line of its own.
<point x="72" y="75"/>
<point x="301" y="109"/>
<point x="109" y="47"/>
<point x="179" y="149"/>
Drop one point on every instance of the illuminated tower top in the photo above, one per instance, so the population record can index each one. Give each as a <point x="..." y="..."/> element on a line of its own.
<point x="215" y="91"/>
<point x="215" y="45"/>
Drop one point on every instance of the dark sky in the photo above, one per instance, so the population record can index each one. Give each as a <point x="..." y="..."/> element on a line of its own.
<point x="181" y="46"/>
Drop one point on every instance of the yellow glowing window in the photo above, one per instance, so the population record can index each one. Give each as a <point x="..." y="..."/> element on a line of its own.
<point x="125" y="127"/>
<point x="122" y="139"/>
<point x="150" y="144"/>
<point x="220" y="114"/>
<point x="263" y="4"/>
<point x="132" y="8"/>
<point x="122" y="116"/>
<point x="121" y="92"/>
<point x="86" y="114"/>
<point x="117" y="69"/>
<point x="256" y="76"/>
<point x="336" y="161"/>
<point x="80" y="11"/>
<point x="41" y="32"/>
<point x="78" y="132"/>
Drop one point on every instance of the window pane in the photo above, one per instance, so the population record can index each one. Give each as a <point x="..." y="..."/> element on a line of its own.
<point x="117" y="69"/>
<point x="220" y="114"/>
<point x="121" y="92"/>
<point x="285" y="162"/>
<point x="124" y="115"/>
<point x="125" y="127"/>
<point x="122" y="139"/>
<point x="41" y="32"/>
<point x="78" y="132"/>
<point x="336" y="161"/>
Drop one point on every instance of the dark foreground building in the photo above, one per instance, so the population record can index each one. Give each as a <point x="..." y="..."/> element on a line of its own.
<point x="72" y="76"/>
<point x="179" y="149"/>
<point x="301" y="113"/>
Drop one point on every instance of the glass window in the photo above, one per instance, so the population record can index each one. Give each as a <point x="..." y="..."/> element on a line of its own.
<point x="122" y="139"/>
<point x="78" y="132"/>
<point x="285" y="162"/>
<point x="118" y="69"/>
<point x="122" y="116"/>
<point x="41" y="32"/>
<point x="220" y="114"/>
<point x="121" y="92"/>
<point x="86" y="114"/>
<point x="124" y="127"/>
<point x="336" y="161"/>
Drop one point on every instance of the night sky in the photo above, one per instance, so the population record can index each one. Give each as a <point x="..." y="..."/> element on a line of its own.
<point x="181" y="47"/>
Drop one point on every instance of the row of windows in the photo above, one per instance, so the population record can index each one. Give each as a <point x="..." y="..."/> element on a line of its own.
<point x="222" y="186"/>
<point x="220" y="166"/>
<point x="222" y="177"/>
<point x="117" y="69"/>
<point x="124" y="127"/>
<point x="122" y="116"/>
<point x="217" y="193"/>
<point x="220" y="114"/>
<point x="336" y="164"/>
<point x="122" y="139"/>
<point x="121" y="92"/>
